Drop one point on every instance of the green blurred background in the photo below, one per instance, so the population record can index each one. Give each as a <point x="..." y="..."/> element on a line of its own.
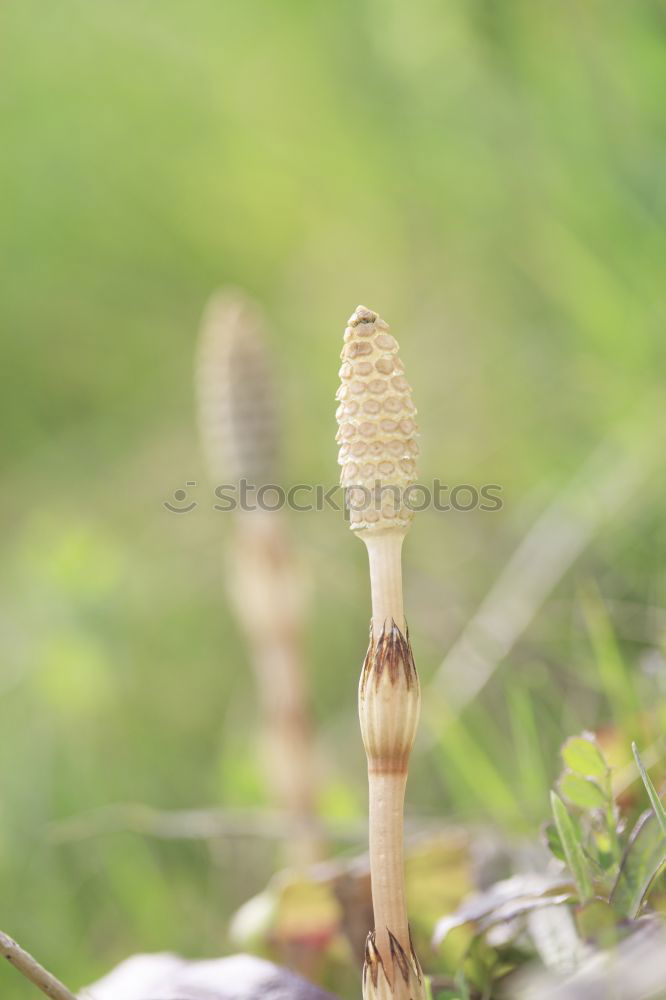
<point x="487" y="175"/>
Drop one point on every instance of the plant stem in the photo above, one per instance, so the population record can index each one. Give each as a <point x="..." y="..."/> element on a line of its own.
<point x="387" y="798"/>
<point x="377" y="436"/>
<point x="385" y="560"/>
<point x="387" y="782"/>
<point x="235" y="380"/>
<point x="24" y="963"/>
<point x="266" y="588"/>
<point x="389" y="706"/>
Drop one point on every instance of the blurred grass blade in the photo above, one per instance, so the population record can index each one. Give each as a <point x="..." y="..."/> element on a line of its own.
<point x="643" y="860"/>
<point x="477" y="770"/>
<point x="572" y="849"/>
<point x="612" y="474"/>
<point x="614" y="673"/>
<point x="656" y="802"/>
<point x="527" y="746"/>
<point x="462" y="986"/>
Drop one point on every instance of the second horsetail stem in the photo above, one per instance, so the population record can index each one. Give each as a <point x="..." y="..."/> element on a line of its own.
<point x="378" y="448"/>
<point x="239" y="432"/>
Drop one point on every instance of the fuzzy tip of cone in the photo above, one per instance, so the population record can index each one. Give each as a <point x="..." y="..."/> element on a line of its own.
<point x="405" y="979"/>
<point x="377" y="432"/>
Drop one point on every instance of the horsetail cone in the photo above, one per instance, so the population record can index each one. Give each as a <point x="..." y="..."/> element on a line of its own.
<point x="235" y="391"/>
<point x="377" y="436"/>
<point x="377" y="431"/>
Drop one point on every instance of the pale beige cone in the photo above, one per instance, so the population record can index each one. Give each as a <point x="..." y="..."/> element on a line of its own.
<point x="376" y="426"/>
<point x="378" y="447"/>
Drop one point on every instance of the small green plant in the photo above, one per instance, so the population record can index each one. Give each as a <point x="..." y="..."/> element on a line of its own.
<point x="610" y="858"/>
<point x="605" y="891"/>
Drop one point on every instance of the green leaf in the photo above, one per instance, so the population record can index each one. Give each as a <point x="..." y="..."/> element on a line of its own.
<point x="572" y="848"/>
<point x="597" y="923"/>
<point x="553" y="842"/>
<point x="582" y="755"/>
<point x="644" y="858"/>
<point x="603" y="844"/>
<point x="656" y="802"/>
<point x="581" y="791"/>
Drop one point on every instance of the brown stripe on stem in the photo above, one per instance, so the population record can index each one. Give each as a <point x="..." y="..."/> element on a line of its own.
<point x="391" y="652"/>
<point x="398" y="978"/>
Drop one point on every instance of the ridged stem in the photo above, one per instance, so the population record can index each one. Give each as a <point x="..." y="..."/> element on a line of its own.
<point x="387" y="863"/>
<point x="387" y="769"/>
<point x="385" y="560"/>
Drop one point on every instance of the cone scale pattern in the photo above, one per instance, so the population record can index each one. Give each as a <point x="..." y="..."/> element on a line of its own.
<point x="377" y="431"/>
<point x="235" y="392"/>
